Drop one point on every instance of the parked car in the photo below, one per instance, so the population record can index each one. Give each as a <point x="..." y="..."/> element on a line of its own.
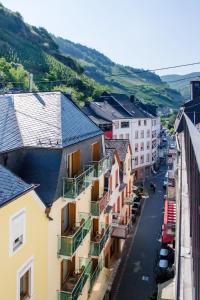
<point x="135" y="210"/>
<point x="165" y="181"/>
<point x="137" y="206"/>
<point x="133" y="217"/>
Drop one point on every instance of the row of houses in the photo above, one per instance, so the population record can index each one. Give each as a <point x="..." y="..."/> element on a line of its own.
<point x="65" y="192"/>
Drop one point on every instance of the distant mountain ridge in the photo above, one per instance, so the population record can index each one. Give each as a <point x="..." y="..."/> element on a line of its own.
<point x="145" y="85"/>
<point x="181" y="83"/>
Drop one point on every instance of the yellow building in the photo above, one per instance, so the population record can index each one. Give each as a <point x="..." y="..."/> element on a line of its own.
<point x="23" y="240"/>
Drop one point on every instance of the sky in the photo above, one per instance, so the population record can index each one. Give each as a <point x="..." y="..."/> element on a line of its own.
<point x="145" y="34"/>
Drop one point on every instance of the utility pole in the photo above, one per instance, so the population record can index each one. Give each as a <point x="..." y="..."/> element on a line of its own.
<point x="30" y="82"/>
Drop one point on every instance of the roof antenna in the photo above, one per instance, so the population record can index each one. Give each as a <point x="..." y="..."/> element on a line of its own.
<point x="30" y="82"/>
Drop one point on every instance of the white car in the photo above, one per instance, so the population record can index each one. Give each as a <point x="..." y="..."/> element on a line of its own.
<point x="165" y="181"/>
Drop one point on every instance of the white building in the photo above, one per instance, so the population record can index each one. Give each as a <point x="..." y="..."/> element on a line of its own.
<point x="134" y="121"/>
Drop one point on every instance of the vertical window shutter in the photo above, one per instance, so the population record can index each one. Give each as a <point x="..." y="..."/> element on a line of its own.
<point x="18" y="226"/>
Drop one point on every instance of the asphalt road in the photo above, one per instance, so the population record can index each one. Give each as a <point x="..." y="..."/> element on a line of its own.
<point x="136" y="280"/>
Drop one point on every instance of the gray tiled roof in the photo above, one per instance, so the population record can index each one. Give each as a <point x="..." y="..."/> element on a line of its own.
<point x="42" y="120"/>
<point x="11" y="186"/>
<point x="120" y="145"/>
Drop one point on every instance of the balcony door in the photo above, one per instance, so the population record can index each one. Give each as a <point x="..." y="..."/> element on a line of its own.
<point x="96" y="151"/>
<point x="74" y="164"/>
<point x="95" y="190"/>
<point x="67" y="269"/>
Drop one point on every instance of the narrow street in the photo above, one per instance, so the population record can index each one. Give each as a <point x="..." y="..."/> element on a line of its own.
<point x="135" y="280"/>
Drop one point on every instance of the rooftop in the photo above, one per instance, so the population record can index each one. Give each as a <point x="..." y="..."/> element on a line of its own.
<point x="42" y="120"/>
<point x="11" y="186"/>
<point x="120" y="145"/>
<point x="112" y="106"/>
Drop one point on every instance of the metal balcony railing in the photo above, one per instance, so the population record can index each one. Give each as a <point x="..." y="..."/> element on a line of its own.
<point x="97" y="246"/>
<point x="72" y="187"/>
<point x="101" y="166"/>
<point x="74" y="285"/>
<point x="68" y="244"/>
<point x="98" y="206"/>
<point x="95" y="274"/>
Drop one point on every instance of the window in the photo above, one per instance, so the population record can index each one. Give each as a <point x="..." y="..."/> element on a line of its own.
<point x="118" y="204"/>
<point x="17" y="231"/>
<point x="139" y="122"/>
<point x="148" y="133"/>
<point x="142" y="159"/>
<point x="148" y="157"/>
<point x="136" y="160"/>
<point x="116" y="178"/>
<point x="136" y="147"/>
<point x="142" y="134"/>
<point x="127" y="136"/>
<point x="110" y="184"/>
<point x="142" y="146"/>
<point x="122" y="198"/>
<point x="136" y="134"/>
<point x="116" y="125"/>
<point x="25" y="281"/>
<point x="148" y="145"/>
<point x="24" y="286"/>
<point x="121" y="136"/>
<point x="73" y="164"/>
<point x="124" y="124"/>
<point x="145" y="122"/>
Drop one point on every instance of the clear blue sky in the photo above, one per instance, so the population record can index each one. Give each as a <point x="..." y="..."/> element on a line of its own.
<point x="141" y="33"/>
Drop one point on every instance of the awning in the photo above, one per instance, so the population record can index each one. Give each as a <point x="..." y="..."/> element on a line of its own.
<point x="168" y="228"/>
<point x="169" y="212"/>
<point x="120" y="232"/>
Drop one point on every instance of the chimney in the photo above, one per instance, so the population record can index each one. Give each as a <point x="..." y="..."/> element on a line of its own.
<point x="30" y="83"/>
<point x="195" y="89"/>
<point x="132" y="98"/>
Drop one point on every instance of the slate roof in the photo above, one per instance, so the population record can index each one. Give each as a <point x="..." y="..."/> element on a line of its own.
<point x="94" y="117"/>
<point x="11" y="186"/>
<point x="120" y="145"/>
<point x="42" y="120"/>
<point x="116" y="106"/>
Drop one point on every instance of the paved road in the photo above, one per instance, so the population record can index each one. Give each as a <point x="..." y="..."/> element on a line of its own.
<point x="136" y="278"/>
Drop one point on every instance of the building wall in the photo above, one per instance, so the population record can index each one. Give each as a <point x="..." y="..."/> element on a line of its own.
<point x="35" y="247"/>
<point x="130" y="132"/>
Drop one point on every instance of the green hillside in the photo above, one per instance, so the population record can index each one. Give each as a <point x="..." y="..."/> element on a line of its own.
<point x="25" y="48"/>
<point x="181" y="83"/>
<point x="145" y="85"/>
<point x="59" y="64"/>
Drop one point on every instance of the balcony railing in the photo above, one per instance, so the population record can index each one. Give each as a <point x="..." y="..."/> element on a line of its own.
<point x="101" y="166"/>
<point x="98" y="206"/>
<point x="68" y="244"/>
<point x="95" y="274"/>
<point x="97" y="246"/>
<point x="72" y="187"/>
<point x="74" y="285"/>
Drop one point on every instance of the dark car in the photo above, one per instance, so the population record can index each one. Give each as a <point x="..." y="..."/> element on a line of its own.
<point x="133" y="217"/>
<point x="135" y="210"/>
<point x="137" y="207"/>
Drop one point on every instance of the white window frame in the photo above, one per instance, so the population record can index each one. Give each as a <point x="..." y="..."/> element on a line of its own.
<point x="28" y="265"/>
<point x="11" y="250"/>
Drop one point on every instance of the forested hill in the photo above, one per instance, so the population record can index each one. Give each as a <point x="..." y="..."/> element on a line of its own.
<point x="59" y="64"/>
<point x="25" y="48"/>
<point x="181" y="83"/>
<point x="146" y="85"/>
